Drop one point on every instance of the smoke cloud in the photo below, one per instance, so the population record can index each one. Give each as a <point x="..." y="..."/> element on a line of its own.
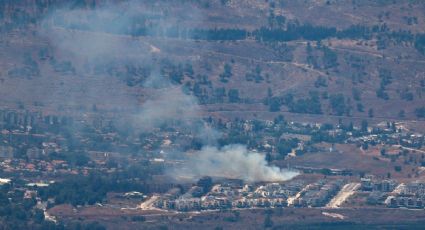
<point x="163" y="102"/>
<point x="167" y="105"/>
<point x="237" y="162"/>
<point x="231" y="161"/>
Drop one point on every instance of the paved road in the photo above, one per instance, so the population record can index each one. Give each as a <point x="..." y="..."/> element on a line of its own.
<point x="149" y="204"/>
<point x="346" y="191"/>
<point x="292" y="199"/>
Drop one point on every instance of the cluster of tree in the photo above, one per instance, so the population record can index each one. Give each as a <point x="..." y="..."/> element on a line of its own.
<point x="227" y="73"/>
<point x="218" y="34"/>
<point x="328" y="57"/>
<point x="199" y="88"/>
<point x="274" y="104"/>
<point x="215" y="34"/>
<point x="233" y="95"/>
<point x="294" y="32"/>
<point x="324" y="136"/>
<point x="323" y="133"/>
<point x="285" y="146"/>
<point x="15" y="207"/>
<point x="311" y="57"/>
<point x="420" y="112"/>
<point x="420" y="43"/>
<point x="386" y="79"/>
<point x="356" y="94"/>
<point x="303" y="105"/>
<point x="405" y="94"/>
<point x="29" y="69"/>
<point x="338" y="104"/>
<point x="320" y="82"/>
<point x="86" y="190"/>
<point x="284" y="51"/>
<point x="358" y="63"/>
<point x="238" y="134"/>
<point x="13" y="15"/>
<point x="215" y="95"/>
<point x="133" y="74"/>
<point x="18" y="17"/>
<point x="237" y="137"/>
<point x="219" y="94"/>
<point x="205" y="183"/>
<point x="17" y="212"/>
<point x="176" y="73"/>
<point x="255" y="75"/>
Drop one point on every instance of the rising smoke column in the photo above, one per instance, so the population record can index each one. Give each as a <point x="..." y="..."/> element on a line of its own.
<point x="231" y="161"/>
<point x="167" y="101"/>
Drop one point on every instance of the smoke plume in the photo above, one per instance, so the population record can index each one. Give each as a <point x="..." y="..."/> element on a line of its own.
<point x="231" y="161"/>
<point x="163" y="102"/>
<point x="237" y="162"/>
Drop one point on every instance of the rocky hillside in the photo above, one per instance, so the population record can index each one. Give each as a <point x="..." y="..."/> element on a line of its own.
<point x="339" y="59"/>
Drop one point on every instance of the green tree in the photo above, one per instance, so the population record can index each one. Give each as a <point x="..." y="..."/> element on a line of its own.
<point x="364" y="126"/>
<point x="370" y="112"/>
<point x="233" y="95"/>
<point x="338" y="104"/>
<point x="274" y="104"/>
<point x="420" y="112"/>
<point x="227" y="73"/>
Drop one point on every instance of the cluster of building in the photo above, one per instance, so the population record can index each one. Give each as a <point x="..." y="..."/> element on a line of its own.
<point x="369" y="183"/>
<point x="410" y="195"/>
<point x="227" y="196"/>
<point x="318" y="194"/>
<point x="32" y="142"/>
<point x="270" y="195"/>
<point x="392" y="194"/>
<point x="20" y="165"/>
<point x="391" y="137"/>
<point x="377" y="189"/>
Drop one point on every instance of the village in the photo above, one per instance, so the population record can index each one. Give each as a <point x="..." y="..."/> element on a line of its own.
<point x="324" y="193"/>
<point x="38" y="152"/>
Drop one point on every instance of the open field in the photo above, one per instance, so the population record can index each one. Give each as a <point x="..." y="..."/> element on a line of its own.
<point x="254" y="219"/>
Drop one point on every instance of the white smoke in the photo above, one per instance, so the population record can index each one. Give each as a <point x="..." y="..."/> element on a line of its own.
<point x="166" y="102"/>
<point x="231" y="161"/>
<point x="167" y="105"/>
<point x="237" y="162"/>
